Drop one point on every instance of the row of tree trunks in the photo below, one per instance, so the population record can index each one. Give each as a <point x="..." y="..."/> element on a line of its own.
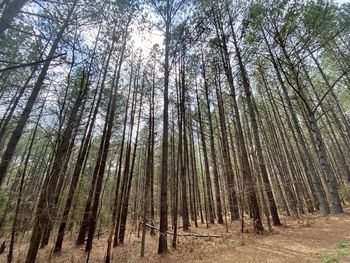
<point x="17" y="133"/>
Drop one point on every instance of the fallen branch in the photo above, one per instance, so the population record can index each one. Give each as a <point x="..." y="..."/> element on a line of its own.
<point x="181" y="235"/>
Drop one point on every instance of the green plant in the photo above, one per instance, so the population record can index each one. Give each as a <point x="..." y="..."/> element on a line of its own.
<point x="330" y="259"/>
<point x="343" y="252"/>
<point x="343" y="245"/>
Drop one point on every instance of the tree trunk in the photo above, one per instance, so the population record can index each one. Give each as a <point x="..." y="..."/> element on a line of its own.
<point x="9" y="14"/>
<point x="163" y="216"/>
<point x="104" y="146"/>
<point x="17" y="133"/>
<point x="206" y="162"/>
<point x="254" y="125"/>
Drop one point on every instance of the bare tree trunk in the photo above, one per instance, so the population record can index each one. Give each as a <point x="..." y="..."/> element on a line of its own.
<point x="100" y="167"/>
<point x="149" y="165"/>
<point x="124" y="211"/>
<point x="163" y="216"/>
<point x="46" y="206"/>
<point x="19" y="198"/>
<point x="82" y="156"/>
<point x="116" y="206"/>
<point x="183" y="146"/>
<point x="85" y="220"/>
<point x="206" y="161"/>
<point x="17" y="133"/>
<point x="175" y="177"/>
<point x="308" y="166"/>
<point x="127" y="163"/>
<point x="254" y="125"/>
<point x="212" y="148"/>
<point x="228" y="170"/>
<point x="6" y="120"/>
<point x="314" y="132"/>
<point x="9" y="14"/>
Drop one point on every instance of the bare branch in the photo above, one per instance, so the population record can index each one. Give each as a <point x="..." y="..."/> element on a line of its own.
<point x="20" y="65"/>
<point x="330" y="88"/>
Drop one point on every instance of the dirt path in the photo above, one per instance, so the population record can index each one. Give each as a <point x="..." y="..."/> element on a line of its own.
<point x="308" y="240"/>
<point x="302" y="242"/>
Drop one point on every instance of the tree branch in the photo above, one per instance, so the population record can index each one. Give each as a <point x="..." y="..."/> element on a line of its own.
<point x="330" y="88"/>
<point x="28" y="64"/>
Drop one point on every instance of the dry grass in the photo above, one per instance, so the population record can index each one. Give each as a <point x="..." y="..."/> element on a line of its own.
<point x="310" y="239"/>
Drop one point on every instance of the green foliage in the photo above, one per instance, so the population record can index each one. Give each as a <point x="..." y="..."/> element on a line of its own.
<point x="256" y="11"/>
<point x="330" y="259"/>
<point x="320" y="18"/>
<point x="343" y="245"/>
<point x="343" y="250"/>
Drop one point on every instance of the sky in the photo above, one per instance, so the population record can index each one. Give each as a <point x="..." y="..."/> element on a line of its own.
<point x="146" y="40"/>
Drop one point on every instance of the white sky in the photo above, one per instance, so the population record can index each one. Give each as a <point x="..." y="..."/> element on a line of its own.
<point x="147" y="39"/>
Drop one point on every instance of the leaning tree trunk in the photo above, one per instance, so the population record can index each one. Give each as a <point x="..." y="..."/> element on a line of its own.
<point x="9" y="14"/>
<point x="19" y="199"/>
<point x="82" y="156"/>
<point x="315" y="132"/>
<point x="119" y="170"/>
<point x="85" y="220"/>
<point x="322" y="156"/>
<point x="127" y="164"/>
<point x="100" y="167"/>
<point x="46" y="204"/>
<point x="308" y="166"/>
<point x="254" y="125"/>
<point x="17" y="133"/>
<point x="7" y="117"/>
<point x="124" y="211"/>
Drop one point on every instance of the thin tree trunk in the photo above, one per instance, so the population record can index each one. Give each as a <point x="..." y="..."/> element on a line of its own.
<point x="85" y="220"/>
<point x="19" y="198"/>
<point x="206" y="161"/>
<point x="100" y="167"/>
<point x="163" y="211"/>
<point x="17" y="133"/>
<point x="82" y="156"/>
<point x="254" y="125"/>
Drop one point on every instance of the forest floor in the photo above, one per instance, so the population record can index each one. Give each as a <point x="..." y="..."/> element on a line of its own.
<point x="311" y="239"/>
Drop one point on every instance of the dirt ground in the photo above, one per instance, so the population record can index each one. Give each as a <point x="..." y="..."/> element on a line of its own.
<point x="310" y="239"/>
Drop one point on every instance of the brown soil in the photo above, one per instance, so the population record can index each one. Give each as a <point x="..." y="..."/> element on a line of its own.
<point x="305" y="240"/>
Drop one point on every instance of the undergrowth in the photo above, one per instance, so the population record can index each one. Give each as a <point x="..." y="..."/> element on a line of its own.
<point x="343" y="249"/>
